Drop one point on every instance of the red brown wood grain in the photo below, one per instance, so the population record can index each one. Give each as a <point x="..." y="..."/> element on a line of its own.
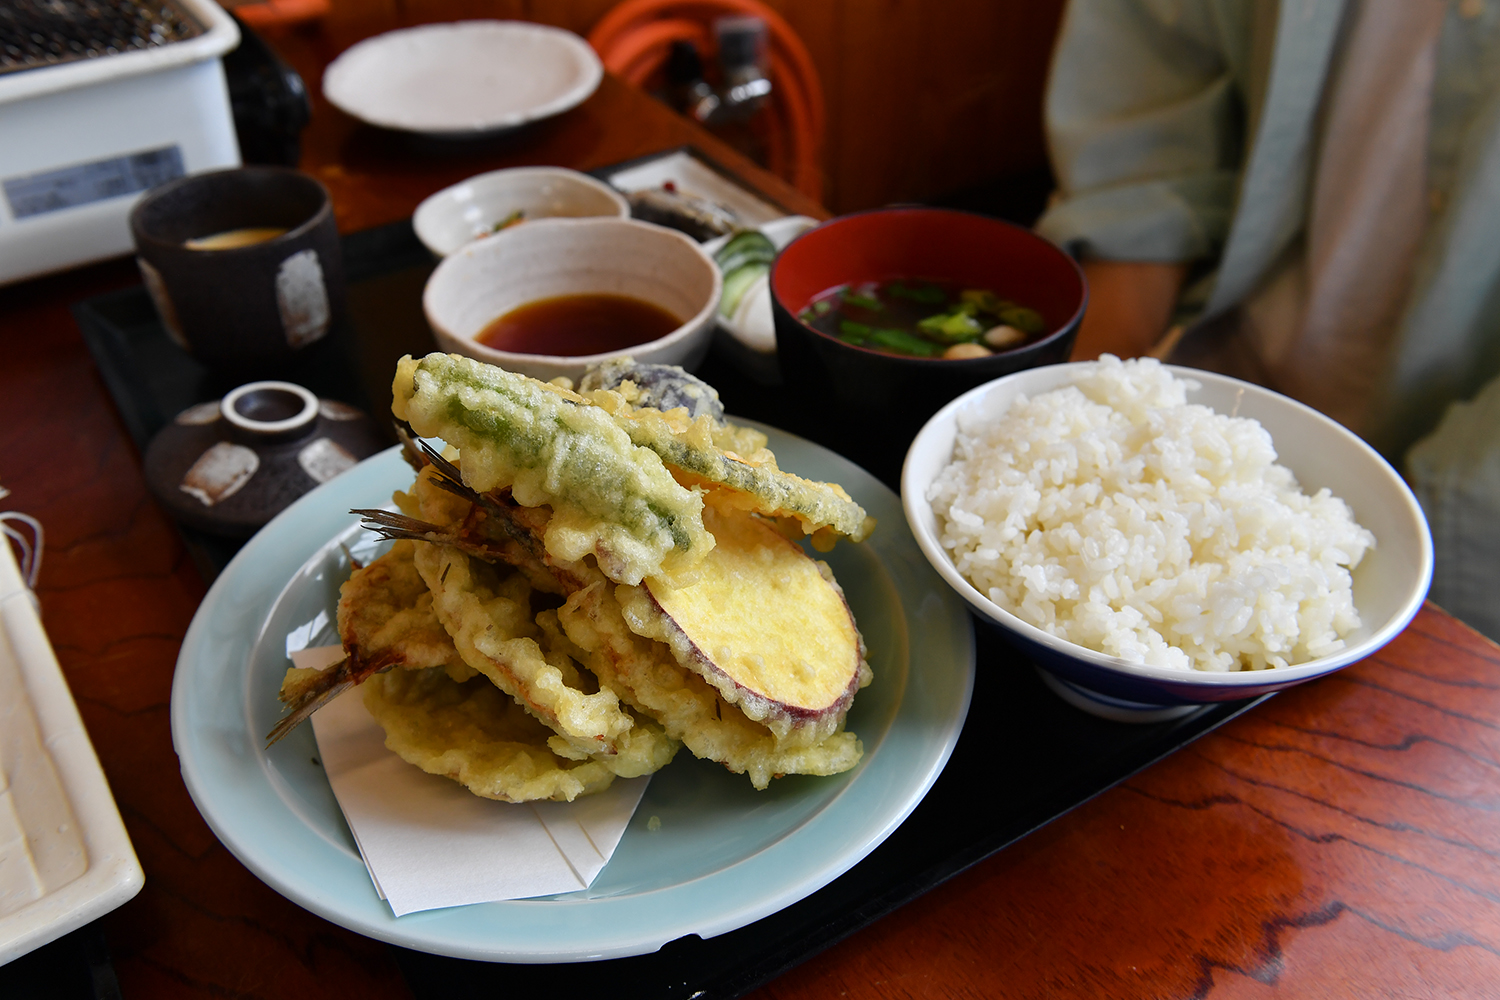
<point x="117" y="593"/>
<point x="1341" y="840"/>
<point x="924" y="99"/>
<point x="377" y="176"/>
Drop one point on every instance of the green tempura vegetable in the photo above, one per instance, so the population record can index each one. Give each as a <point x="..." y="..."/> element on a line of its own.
<point x="609" y="496"/>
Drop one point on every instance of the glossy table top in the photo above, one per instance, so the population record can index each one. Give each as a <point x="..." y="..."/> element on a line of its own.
<point x="1339" y="839"/>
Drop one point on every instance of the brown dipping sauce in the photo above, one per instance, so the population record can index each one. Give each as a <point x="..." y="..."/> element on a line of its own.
<point x="576" y="325"/>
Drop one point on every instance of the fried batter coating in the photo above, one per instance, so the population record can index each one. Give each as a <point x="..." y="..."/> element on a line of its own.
<point x="650" y="680"/>
<point x="661" y="387"/>
<point x="788" y="654"/>
<point x="490" y="619"/>
<point x="609" y="497"/>
<point x="474" y="734"/>
<point x="385" y="620"/>
<point x="495" y="532"/>
<point x="734" y="464"/>
<point x="385" y="609"/>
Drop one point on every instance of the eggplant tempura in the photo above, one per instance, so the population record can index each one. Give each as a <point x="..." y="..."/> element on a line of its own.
<point x="592" y="580"/>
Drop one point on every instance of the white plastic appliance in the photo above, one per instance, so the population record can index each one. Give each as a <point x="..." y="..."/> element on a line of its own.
<point x="81" y="141"/>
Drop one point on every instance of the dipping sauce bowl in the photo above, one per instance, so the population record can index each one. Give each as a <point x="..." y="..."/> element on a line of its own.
<point x="552" y="258"/>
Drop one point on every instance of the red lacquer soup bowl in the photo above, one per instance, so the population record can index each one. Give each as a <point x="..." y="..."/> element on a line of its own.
<point x="970" y="251"/>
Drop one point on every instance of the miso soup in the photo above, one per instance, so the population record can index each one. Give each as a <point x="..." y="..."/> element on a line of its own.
<point x="924" y="318"/>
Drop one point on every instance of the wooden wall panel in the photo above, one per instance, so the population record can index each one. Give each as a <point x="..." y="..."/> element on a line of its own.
<point x="924" y="98"/>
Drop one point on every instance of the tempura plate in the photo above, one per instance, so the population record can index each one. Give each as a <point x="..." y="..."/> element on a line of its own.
<point x="724" y="855"/>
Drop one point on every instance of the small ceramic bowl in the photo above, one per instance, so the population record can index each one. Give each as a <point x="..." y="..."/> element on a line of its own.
<point x="557" y="257"/>
<point x="974" y="250"/>
<point x="1389" y="583"/>
<point x="471" y="209"/>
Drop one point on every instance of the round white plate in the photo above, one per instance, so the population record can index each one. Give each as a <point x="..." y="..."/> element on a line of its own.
<point x="465" y="78"/>
<point x="724" y="854"/>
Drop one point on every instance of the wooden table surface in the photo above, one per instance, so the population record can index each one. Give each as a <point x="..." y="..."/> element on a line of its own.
<point x="1339" y="840"/>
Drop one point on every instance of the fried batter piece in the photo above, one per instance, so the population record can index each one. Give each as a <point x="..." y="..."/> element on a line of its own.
<point x="734" y="465"/>
<point x="385" y="620"/>
<point x="436" y="711"/>
<point x="609" y="498"/>
<point x="440" y="508"/>
<point x="687" y="615"/>
<point x="472" y="733"/>
<point x="788" y="655"/>
<point x="650" y="680"/>
<point x="797" y="719"/>
<point x="660" y="387"/>
<point x="491" y="622"/>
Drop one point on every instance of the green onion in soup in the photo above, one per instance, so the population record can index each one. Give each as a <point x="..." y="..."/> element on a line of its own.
<point x="923" y="318"/>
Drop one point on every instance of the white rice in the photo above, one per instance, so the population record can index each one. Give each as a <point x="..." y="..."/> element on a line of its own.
<point x="1115" y="515"/>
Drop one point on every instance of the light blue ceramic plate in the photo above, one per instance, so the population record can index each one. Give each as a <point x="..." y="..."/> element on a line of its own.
<point x="724" y="854"/>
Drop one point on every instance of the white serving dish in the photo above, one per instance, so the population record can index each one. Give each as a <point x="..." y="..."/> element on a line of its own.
<point x="463" y="79"/>
<point x="80" y="142"/>
<point x="690" y="175"/>
<point x="554" y="257"/>
<point x="470" y="210"/>
<point x="749" y="335"/>
<point x="1389" y="584"/>
<point x="65" y="858"/>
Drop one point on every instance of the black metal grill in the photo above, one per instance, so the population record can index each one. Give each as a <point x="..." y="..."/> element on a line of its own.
<point x="36" y="33"/>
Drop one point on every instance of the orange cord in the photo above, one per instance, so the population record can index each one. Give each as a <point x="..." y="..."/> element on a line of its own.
<point x="634" y="38"/>
<point x="277" y="13"/>
<point x="637" y="55"/>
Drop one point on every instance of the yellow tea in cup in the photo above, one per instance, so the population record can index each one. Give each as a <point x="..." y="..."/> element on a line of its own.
<point x="233" y="238"/>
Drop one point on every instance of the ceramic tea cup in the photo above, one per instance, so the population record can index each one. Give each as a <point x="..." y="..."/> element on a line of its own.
<point x="243" y="265"/>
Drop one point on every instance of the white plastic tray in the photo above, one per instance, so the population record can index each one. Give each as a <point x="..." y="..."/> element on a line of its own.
<point x="65" y="858"/>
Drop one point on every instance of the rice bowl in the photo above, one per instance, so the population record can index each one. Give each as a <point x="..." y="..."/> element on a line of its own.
<point x="1386" y="586"/>
<point x="1114" y="514"/>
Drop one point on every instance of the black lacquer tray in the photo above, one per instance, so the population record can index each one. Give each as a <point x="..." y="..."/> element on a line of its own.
<point x="1025" y="757"/>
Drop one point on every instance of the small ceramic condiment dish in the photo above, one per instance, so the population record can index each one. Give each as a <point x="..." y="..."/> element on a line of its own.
<point x="748" y="333"/>
<point x="973" y="251"/>
<point x="228" y="467"/>
<point x="555" y="258"/>
<point x="1390" y="582"/>
<point x="471" y="209"/>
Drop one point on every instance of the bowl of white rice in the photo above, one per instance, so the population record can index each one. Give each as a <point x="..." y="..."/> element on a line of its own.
<point x="1154" y="538"/>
